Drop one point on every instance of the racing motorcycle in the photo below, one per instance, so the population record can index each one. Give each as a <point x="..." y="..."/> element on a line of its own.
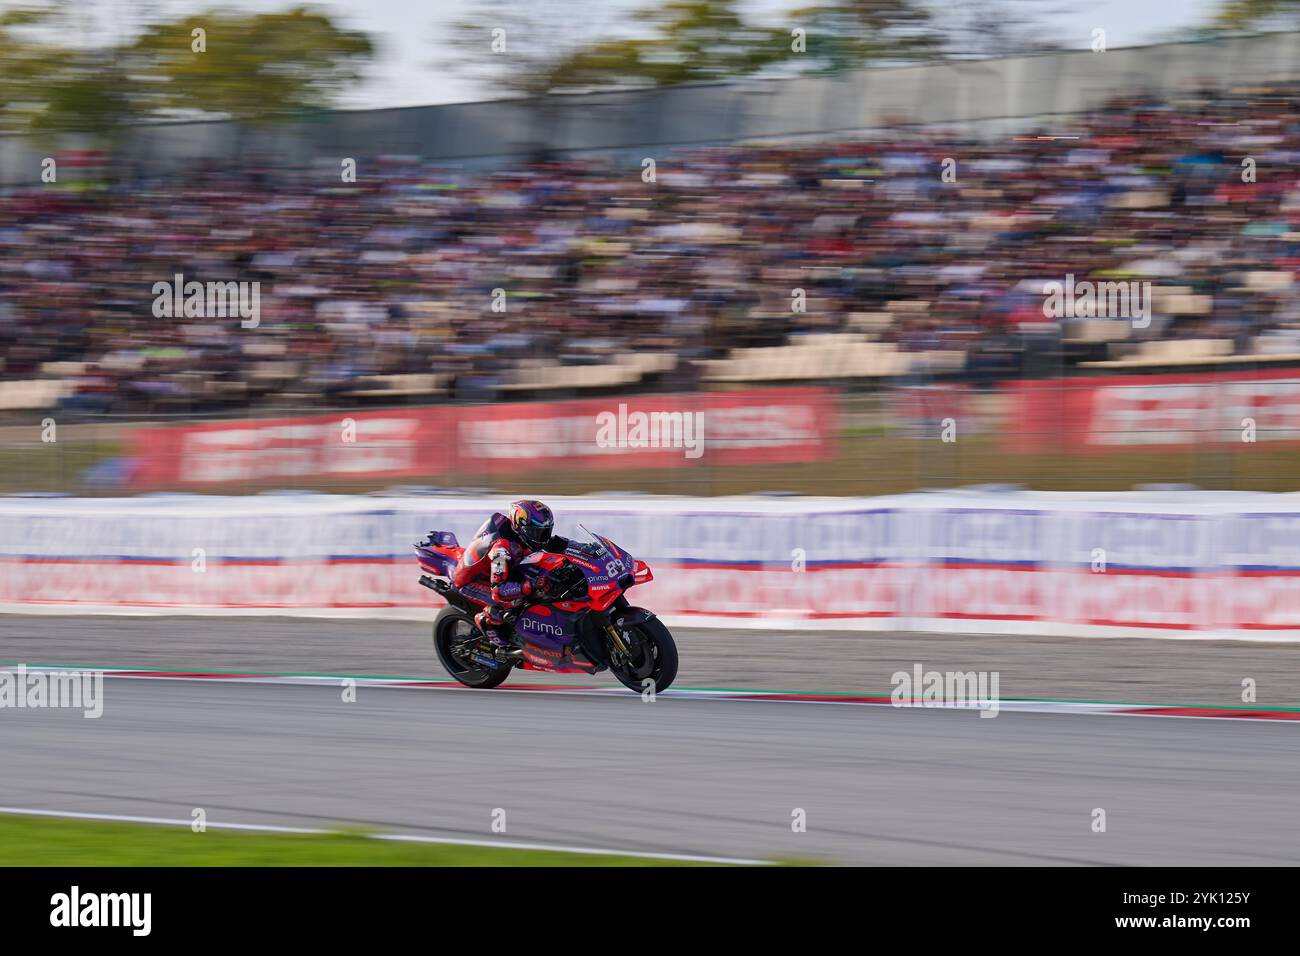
<point x="577" y="620"/>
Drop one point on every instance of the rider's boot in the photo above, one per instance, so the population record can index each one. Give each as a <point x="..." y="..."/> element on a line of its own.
<point x="494" y="628"/>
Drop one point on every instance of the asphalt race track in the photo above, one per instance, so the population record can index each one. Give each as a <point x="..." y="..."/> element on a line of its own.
<point x="679" y="775"/>
<point x="878" y="785"/>
<point x="1138" y="670"/>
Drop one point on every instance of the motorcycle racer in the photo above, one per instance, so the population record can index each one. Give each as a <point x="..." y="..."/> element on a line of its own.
<point x="493" y="557"/>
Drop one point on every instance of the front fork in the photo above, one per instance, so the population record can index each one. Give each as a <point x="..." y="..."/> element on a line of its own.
<point x="617" y="639"/>
<point x="598" y="623"/>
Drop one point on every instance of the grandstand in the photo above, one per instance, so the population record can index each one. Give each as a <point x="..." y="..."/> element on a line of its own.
<point x="561" y="279"/>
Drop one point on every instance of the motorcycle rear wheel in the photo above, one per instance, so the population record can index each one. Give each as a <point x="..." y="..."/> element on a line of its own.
<point x="452" y="629"/>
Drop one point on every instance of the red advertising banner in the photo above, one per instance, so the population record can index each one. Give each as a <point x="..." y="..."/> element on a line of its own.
<point x="657" y="431"/>
<point x="345" y="445"/>
<point x="1145" y="411"/>
<point x="651" y="431"/>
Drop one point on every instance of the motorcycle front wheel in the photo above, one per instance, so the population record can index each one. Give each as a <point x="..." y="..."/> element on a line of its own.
<point x="651" y="660"/>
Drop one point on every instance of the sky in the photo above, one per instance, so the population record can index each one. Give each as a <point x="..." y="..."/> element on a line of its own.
<point x="410" y="69"/>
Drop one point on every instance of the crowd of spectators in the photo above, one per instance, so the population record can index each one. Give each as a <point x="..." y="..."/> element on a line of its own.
<point x="419" y="269"/>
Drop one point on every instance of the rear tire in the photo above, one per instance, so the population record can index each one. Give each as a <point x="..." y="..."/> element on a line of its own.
<point x="452" y="628"/>
<point x="654" y="657"/>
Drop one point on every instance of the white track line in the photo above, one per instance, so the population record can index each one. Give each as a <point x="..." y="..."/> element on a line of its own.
<point x="393" y="837"/>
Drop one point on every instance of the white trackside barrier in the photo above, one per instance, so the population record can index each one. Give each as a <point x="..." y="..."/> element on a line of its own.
<point x="1190" y="564"/>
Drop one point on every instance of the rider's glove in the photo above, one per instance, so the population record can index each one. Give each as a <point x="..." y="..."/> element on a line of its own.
<point x="500" y="567"/>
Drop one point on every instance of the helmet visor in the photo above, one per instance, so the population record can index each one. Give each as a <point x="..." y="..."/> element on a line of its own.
<point x="535" y="535"/>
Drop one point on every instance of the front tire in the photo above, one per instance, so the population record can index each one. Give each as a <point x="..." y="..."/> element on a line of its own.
<point x="453" y="631"/>
<point x="653" y="657"/>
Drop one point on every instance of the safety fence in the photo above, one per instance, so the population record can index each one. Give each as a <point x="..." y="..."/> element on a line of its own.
<point x="1187" y="564"/>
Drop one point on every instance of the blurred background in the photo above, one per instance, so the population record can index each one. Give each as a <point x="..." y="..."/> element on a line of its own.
<point x="827" y="227"/>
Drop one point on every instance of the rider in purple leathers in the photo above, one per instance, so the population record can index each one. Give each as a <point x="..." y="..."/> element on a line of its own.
<point x="494" y="555"/>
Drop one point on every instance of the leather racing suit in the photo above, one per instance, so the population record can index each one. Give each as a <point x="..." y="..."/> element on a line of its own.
<point x="488" y="572"/>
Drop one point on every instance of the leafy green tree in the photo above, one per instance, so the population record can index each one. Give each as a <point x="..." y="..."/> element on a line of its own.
<point x="559" y="45"/>
<point x="689" y="41"/>
<point x="522" y="48"/>
<point x="84" y="97"/>
<point x="550" y="45"/>
<point x="1248" y="14"/>
<point x="26" y="66"/>
<point x="254" y="68"/>
<point x="850" y="34"/>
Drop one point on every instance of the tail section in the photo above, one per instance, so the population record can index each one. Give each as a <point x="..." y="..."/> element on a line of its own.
<point x="439" y="553"/>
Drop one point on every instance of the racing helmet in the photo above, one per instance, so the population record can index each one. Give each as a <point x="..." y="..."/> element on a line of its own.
<point x="532" y="522"/>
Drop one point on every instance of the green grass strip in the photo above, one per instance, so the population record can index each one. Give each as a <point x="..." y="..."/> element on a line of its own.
<point x="47" y="841"/>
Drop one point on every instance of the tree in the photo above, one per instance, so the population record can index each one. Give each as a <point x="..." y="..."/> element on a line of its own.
<point x="254" y="68"/>
<point x="83" y="96"/>
<point x="554" y="45"/>
<point x="521" y="48"/>
<point x="684" y="41"/>
<point x="993" y="28"/>
<point x="849" y="34"/>
<point x="690" y="41"/>
<point x="1246" y="14"/>
<point x="28" y="66"/>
